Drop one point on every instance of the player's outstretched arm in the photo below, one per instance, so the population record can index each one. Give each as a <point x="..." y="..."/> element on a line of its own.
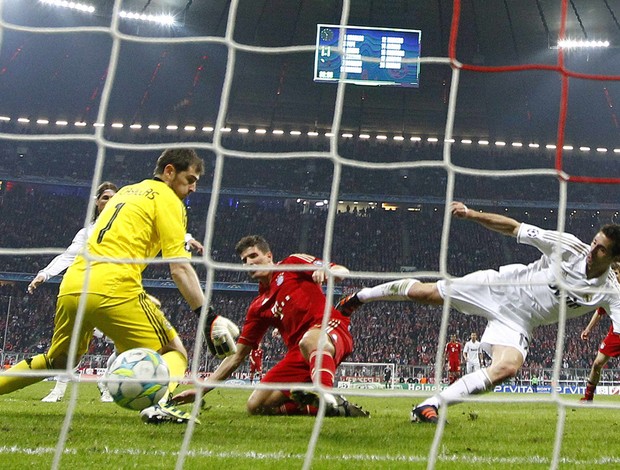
<point x="187" y="282"/>
<point x="191" y="244"/>
<point x="61" y="262"/>
<point x="221" y="333"/>
<point x="498" y="223"/>
<point x="224" y="371"/>
<point x="36" y="282"/>
<point x="339" y="273"/>
<point x="596" y="318"/>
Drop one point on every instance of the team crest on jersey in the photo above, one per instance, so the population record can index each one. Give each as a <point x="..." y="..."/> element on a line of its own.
<point x="318" y="262"/>
<point x="532" y="232"/>
<point x="280" y="279"/>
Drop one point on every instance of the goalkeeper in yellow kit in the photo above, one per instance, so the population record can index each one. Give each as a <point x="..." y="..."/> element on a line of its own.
<point x="139" y="222"/>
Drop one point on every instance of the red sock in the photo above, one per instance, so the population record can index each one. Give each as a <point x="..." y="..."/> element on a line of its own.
<point x="327" y="371"/>
<point x="590" y="389"/>
<point x="291" y="408"/>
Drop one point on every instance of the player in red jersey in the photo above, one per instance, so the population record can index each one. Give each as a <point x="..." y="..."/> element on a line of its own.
<point x="453" y="354"/>
<point x="610" y="346"/>
<point x="293" y="302"/>
<point x="256" y="363"/>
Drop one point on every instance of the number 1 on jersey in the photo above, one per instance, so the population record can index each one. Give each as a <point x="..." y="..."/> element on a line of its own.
<point x="108" y="226"/>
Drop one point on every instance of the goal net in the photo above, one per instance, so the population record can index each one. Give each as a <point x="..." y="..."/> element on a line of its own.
<point x="365" y="181"/>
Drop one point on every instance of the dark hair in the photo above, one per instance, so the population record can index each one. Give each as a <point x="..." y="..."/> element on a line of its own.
<point x="250" y="241"/>
<point x="102" y="188"/>
<point x="181" y="159"/>
<point x="612" y="231"/>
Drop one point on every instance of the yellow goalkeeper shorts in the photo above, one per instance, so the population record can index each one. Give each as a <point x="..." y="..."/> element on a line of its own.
<point x="130" y="323"/>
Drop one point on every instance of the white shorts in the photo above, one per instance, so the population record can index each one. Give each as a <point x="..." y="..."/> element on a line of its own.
<point x="478" y="294"/>
<point x="473" y="295"/>
<point x="498" y="334"/>
<point x="472" y="367"/>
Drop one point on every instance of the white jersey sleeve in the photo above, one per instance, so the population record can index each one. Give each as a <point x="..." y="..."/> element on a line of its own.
<point x="65" y="259"/>
<point x="548" y="240"/>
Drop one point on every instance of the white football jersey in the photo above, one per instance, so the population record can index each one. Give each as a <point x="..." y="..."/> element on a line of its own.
<point x="526" y="296"/>
<point x="583" y="295"/>
<point x="473" y="351"/>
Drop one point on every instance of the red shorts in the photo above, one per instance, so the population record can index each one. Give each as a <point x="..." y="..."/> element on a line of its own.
<point x="294" y="368"/>
<point x="610" y="345"/>
<point x="454" y="366"/>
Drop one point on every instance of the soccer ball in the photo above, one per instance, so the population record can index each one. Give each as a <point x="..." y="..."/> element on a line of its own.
<point x="138" y="378"/>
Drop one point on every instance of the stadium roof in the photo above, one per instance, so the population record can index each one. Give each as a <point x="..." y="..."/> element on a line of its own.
<point x="61" y="76"/>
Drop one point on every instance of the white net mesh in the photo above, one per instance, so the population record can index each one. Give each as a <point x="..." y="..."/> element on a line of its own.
<point x="98" y="135"/>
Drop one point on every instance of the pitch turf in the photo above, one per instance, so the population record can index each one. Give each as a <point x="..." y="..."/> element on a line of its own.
<point x="478" y="435"/>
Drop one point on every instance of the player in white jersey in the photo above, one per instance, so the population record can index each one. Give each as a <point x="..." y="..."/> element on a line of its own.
<point x="472" y="354"/>
<point x="60" y="263"/>
<point x="516" y="299"/>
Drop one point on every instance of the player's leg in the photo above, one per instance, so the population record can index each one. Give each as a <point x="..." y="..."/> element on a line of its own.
<point x="58" y="392"/>
<point x="272" y="402"/>
<point x="291" y="369"/>
<point x="308" y="346"/>
<point x="453" y="372"/>
<point x="338" y="345"/>
<point x="508" y="352"/>
<point x="175" y="355"/>
<point x="595" y="375"/>
<point x="610" y="347"/>
<point x="104" y="392"/>
<point x="401" y="289"/>
<point x="56" y="356"/>
<point x="9" y="383"/>
<point x="139" y="323"/>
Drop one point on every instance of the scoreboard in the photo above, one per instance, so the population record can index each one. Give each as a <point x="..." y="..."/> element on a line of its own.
<point x="367" y="56"/>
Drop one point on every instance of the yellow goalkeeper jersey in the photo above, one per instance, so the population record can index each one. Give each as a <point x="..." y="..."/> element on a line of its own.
<point x="140" y="221"/>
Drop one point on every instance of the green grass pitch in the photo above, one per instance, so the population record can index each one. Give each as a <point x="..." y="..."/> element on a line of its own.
<point x="478" y="435"/>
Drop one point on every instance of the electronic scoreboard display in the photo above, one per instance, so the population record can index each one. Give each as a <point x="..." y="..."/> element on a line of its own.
<point x="367" y="56"/>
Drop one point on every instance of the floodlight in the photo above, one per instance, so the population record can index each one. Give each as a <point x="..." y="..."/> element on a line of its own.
<point x="162" y="19"/>
<point x="83" y="7"/>
<point x="581" y="44"/>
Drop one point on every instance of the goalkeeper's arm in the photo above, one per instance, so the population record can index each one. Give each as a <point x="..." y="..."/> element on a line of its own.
<point x="221" y="332"/>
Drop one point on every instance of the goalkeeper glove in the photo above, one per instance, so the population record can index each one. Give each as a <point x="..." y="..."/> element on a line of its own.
<point x="220" y="334"/>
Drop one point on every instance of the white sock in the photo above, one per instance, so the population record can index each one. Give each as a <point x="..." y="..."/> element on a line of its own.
<point x="111" y="359"/>
<point x="61" y="386"/>
<point x="394" y="290"/>
<point x="100" y="383"/>
<point x="470" y="384"/>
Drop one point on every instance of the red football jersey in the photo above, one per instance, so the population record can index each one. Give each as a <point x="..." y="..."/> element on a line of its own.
<point x="256" y="358"/>
<point x="292" y="303"/>
<point x="453" y="351"/>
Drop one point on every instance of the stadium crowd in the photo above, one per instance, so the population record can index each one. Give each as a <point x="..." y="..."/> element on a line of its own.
<point x="311" y="172"/>
<point x="368" y="239"/>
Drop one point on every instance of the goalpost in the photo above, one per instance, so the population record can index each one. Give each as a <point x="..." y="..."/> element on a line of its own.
<point x="366" y="375"/>
<point x="369" y="373"/>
